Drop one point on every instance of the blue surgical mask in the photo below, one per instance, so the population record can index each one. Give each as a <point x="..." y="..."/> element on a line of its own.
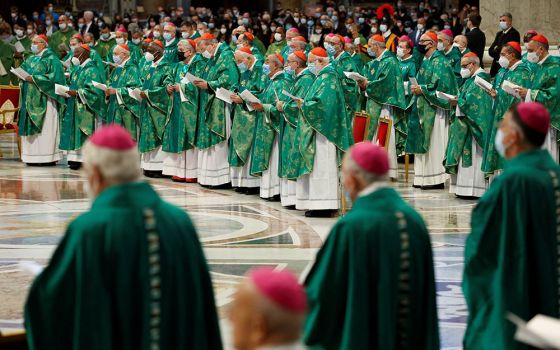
<point x="167" y="36"/>
<point x="245" y="21"/>
<point x="370" y="52"/>
<point x="234" y="38"/>
<point x="312" y="68"/>
<point x="266" y="68"/>
<point x="323" y="22"/>
<point x="117" y="59"/>
<point x="242" y="67"/>
<point x="310" y="23"/>
<point x="330" y="49"/>
<point x="499" y="143"/>
<point x="334" y="18"/>
<point x="34" y="48"/>
<point x="361" y="20"/>
<point x="289" y="71"/>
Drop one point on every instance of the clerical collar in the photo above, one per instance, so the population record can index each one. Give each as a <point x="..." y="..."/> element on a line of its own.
<point x="387" y="33"/>
<point x="156" y="63"/>
<point x="544" y="59"/>
<point x="40" y="54"/>
<point x="512" y="68"/>
<point x="252" y="65"/>
<point x="337" y="56"/>
<point x="192" y="58"/>
<point x="448" y="51"/>
<point x="431" y="54"/>
<point x="300" y="73"/>
<point x="405" y="59"/>
<point x="276" y="74"/>
<point x="378" y="58"/>
<point x="478" y="71"/>
<point x="167" y="43"/>
<point x="507" y="30"/>
<point x="372" y="188"/>
<point x="124" y="62"/>
<point x="85" y="62"/>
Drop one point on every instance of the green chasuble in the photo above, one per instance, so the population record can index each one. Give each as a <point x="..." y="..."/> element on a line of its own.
<point x="511" y="255"/>
<point x="519" y="74"/>
<point x="7" y="61"/>
<point x="180" y="128"/>
<point x="123" y="109"/>
<point x="385" y="87"/>
<point x="436" y="74"/>
<point x="26" y="43"/>
<point x="323" y="111"/>
<point x="258" y="54"/>
<point x="345" y="63"/>
<point x="269" y="122"/>
<point x="78" y="121"/>
<point x="372" y="285"/>
<point x="358" y="61"/>
<point x="103" y="47"/>
<point x="276" y="47"/>
<point x="154" y="108"/>
<point x="290" y="157"/>
<point x="170" y="51"/>
<point x="244" y="125"/>
<point x="46" y="70"/>
<point x="60" y="37"/>
<point x="476" y="106"/>
<point x="408" y="70"/>
<point x="220" y="71"/>
<point x="137" y="283"/>
<point x="534" y="67"/>
<point x="546" y="88"/>
<point x="454" y="57"/>
<point x="259" y="45"/>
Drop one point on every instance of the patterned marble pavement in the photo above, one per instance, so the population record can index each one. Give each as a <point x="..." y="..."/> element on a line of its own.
<point x="237" y="232"/>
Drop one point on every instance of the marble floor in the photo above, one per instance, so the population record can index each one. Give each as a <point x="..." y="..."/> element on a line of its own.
<point x="237" y="231"/>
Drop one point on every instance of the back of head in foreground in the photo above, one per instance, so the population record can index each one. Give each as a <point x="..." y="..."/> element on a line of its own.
<point x="129" y="273"/>
<point x="376" y="264"/>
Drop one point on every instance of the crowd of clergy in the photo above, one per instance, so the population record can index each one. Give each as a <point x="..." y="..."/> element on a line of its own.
<point x="178" y="100"/>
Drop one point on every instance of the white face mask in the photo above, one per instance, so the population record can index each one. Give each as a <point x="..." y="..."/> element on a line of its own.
<point x="357" y="41"/>
<point x="503" y="62"/>
<point x="503" y="25"/>
<point x="400" y="52"/>
<point x="29" y="31"/>
<point x="19" y="32"/>
<point x="75" y="61"/>
<point x="223" y="30"/>
<point x="465" y="73"/>
<point x="62" y="26"/>
<point x="277" y="36"/>
<point x="119" y="40"/>
<point x="440" y="46"/>
<point x="149" y="56"/>
<point x="383" y="28"/>
<point x="420" y="26"/>
<point x="499" y="143"/>
<point x="157" y="34"/>
<point x="533" y="57"/>
<point x="136" y="41"/>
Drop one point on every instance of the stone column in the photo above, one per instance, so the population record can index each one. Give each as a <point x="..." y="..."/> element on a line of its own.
<point x="540" y="15"/>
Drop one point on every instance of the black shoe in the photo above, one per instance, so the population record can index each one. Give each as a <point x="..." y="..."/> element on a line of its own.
<point x="290" y="207"/>
<point x="226" y="186"/>
<point x="74" y="165"/>
<point x="240" y="189"/>
<point x="252" y="190"/>
<point x="328" y="213"/>
<point x="470" y="198"/>
<point x="434" y="187"/>
<point x="416" y="186"/>
<point x="275" y="198"/>
<point x="41" y="164"/>
<point x="154" y="174"/>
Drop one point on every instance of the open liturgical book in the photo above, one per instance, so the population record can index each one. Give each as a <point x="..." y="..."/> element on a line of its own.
<point x="541" y="331"/>
<point x="20" y="73"/>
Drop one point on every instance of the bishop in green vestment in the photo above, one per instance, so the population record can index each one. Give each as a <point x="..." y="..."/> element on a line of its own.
<point x="6" y="61"/>
<point x="20" y="42"/>
<point x="123" y="109"/>
<point x="40" y="107"/>
<point x="384" y="90"/>
<point x="105" y="43"/>
<point x="468" y="132"/>
<point x="62" y="35"/>
<point x="213" y="114"/>
<point x="408" y="70"/>
<point x="372" y="284"/>
<point x="121" y="38"/>
<point x="452" y="53"/>
<point x="265" y="155"/>
<point x="518" y="73"/>
<point x="84" y="107"/>
<point x="545" y="88"/>
<point x="435" y="75"/>
<point x="323" y="134"/>
<point x="129" y="273"/>
<point x="179" y="136"/>
<point x="170" y="42"/>
<point x="154" y="108"/>
<point x="278" y="45"/>
<point x="244" y="125"/>
<point x="511" y="254"/>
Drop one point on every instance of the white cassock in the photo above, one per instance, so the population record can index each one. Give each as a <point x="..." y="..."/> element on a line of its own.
<point x="213" y="165"/>
<point x="183" y="164"/>
<point x="318" y="190"/>
<point x="152" y="160"/>
<point x="270" y="182"/>
<point x="287" y="192"/>
<point x="241" y="176"/>
<point x="551" y="144"/>
<point x="43" y="147"/>
<point x="387" y="112"/>
<point x="428" y="167"/>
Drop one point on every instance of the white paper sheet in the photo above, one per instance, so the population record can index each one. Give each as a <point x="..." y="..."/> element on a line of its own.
<point x="2" y="69"/>
<point x="354" y="76"/>
<point x="542" y="331"/>
<point x="20" y="73"/>
<point x="135" y="94"/>
<point x="482" y="83"/>
<point x="99" y="85"/>
<point x="182" y="95"/>
<point x="224" y="95"/>
<point x="61" y="90"/>
<point x="510" y="87"/>
<point x="191" y="78"/>
<point x="284" y="92"/>
<point x="66" y="63"/>
<point x="248" y="97"/>
<point x="19" y="47"/>
<point x="111" y="64"/>
<point x="445" y="96"/>
<point x="413" y="81"/>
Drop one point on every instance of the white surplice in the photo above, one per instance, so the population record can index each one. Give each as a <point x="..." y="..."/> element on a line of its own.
<point x="387" y="111"/>
<point x="43" y="147"/>
<point x="213" y="165"/>
<point x="270" y="182"/>
<point x="428" y="167"/>
<point x="470" y="182"/>
<point x="153" y="160"/>
<point x="183" y="164"/>
<point x="241" y="176"/>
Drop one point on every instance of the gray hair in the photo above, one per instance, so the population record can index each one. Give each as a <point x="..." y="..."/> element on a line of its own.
<point x="369" y="178"/>
<point x="474" y="60"/>
<point x="88" y="14"/>
<point x="508" y="15"/>
<point x="116" y="167"/>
